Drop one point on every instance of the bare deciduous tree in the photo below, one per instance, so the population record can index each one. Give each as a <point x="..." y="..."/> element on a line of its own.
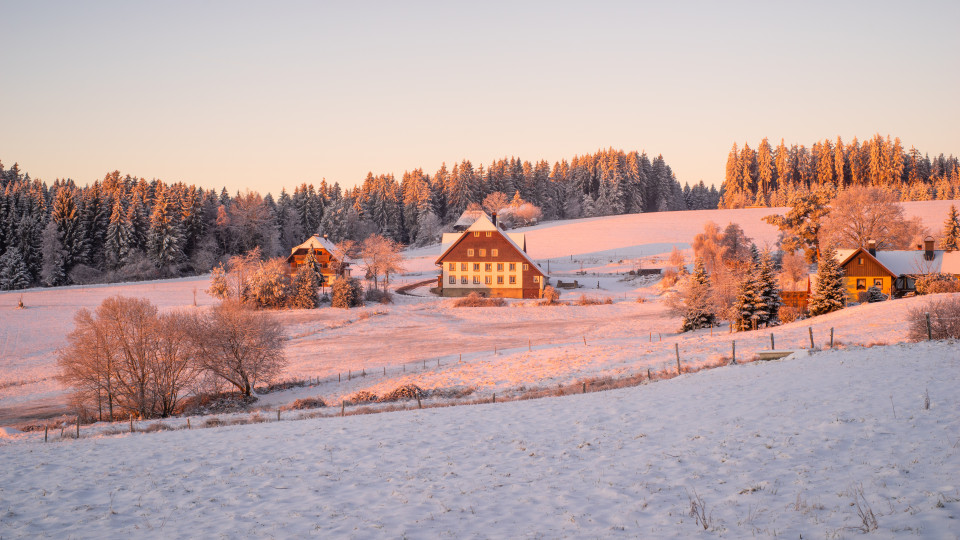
<point x="240" y="346"/>
<point x="382" y="258"/>
<point x="860" y="214"/>
<point x="495" y="201"/>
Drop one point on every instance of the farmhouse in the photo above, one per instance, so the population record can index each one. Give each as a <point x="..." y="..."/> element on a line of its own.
<point x="487" y="260"/>
<point x="333" y="263"/>
<point x="893" y="271"/>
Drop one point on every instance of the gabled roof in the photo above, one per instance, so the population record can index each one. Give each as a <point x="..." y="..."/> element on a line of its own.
<point x="483" y="224"/>
<point x="907" y="262"/>
<point x="468" y="218"/>
<point x="317" y="242"/>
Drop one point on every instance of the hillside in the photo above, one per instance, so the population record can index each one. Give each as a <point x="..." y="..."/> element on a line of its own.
<point x="824" y="445"/>
<point x="480" y="349"/>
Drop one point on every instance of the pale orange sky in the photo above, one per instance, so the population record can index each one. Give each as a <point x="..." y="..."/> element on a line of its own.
<point x="263" y="96"/>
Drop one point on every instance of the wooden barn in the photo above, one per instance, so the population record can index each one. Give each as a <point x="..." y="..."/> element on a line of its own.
<point x="487" y="260"/>
<point x="333" y="263"/>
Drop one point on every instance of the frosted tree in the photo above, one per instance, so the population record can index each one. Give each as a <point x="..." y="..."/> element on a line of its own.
<point x="770" y="289"/>
<point x="219" y="287"/>
<point x="830" y="292"/>
<point x="13" y="270"/>
<point x="164" y="239"/>
<point x="119" y="233"/>
<point x="304" y="289"/>
<point x="696" y="294"/>
<point x="951" y="231"/>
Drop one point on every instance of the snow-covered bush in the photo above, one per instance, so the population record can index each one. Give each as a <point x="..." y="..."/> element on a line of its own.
<point x="307" y="403"/>
<point x="944" y="316"/>
<point x="551" y="296"/>
<point x="937" y="283"/>
<point x="362" y="396"/>
<point x="476" y="300"/>
<point x="407" y="391"/>
<point x="346" y="293"/>
<point x="874" y="294"/>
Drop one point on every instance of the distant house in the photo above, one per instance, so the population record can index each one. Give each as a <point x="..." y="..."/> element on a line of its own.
<point x="894" y="271"/>
<point x="333" y="263"/>
<point x="468" y="218"/>
<point x="485" y="259"/>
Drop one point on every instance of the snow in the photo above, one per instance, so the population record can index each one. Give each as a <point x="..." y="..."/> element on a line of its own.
<point x="773" y="448"/>
<point x="778" y="448"/>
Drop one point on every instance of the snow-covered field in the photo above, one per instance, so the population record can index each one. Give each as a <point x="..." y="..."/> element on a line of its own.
<point x="822" y="446"/>
<point x="812" y="444"/>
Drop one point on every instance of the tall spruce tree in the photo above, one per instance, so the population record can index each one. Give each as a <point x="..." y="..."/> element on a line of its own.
<point x="830" y="292"/>
<point x="698" y="312"/>
<point x="165" y="240"/>
<point x="770" y="289"/>
<point x="951" y="231"/>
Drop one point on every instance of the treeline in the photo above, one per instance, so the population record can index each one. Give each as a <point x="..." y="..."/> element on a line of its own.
<point x="126" y="228"/>
<point x="771" y="176"/>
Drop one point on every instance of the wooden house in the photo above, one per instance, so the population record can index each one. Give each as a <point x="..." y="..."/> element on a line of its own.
<point x="333" y="263"/>
<point x="894" y="271"/>
<point x="487" y="260"/>
<point x="863" y="270"/>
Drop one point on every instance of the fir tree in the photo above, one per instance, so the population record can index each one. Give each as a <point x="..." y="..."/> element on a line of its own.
<point x="165" y="239"/>
<point x="304" y="289"/>
<point x="13" y="270"/>
<point x="698" y="312"/>
<point x="830" y="292"/>
<point x="118" y="238"/>
<point x="770" y="289"/>
<point x="951" y="231"/>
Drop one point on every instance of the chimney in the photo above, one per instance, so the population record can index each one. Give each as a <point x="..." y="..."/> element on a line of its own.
<point x="928" y="248"/>
<point x="494" y="218"/>
<point x="324" y="236"/>
<point x="872" y="247"/>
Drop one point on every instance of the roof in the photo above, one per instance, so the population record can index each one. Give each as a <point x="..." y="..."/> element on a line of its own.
<point x="484" y="224"/>
<point x="909" y="262"/>
<point x="468" y="218"/>
<point x="315" y="242"/>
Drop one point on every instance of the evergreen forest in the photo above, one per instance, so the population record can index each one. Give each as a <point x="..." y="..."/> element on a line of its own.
<point x="771" y="176"/>
<point x="124" y="228"/>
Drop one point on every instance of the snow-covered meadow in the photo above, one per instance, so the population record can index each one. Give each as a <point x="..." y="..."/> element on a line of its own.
<point x="826" y="444"/>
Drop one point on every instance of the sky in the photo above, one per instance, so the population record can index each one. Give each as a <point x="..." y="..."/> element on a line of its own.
<point x="269" y="95"/>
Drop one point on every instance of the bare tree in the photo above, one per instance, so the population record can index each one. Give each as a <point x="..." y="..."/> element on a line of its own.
<point x="794" y="268"/>
<point x="860" y="214"/>
<point x="173" y="369"/>
<point x="86" y="363"/>
<point x="495" y="201"/>
<point x="240" y="346"/>
<point x="382" y="257"/>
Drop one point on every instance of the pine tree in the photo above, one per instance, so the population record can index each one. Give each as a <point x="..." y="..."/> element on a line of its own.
<point x="304" y="289"/>
<point x="165" y="240"/>
<point x="118" y="238"/>
<point x="14" y="274"/>
<point x="951" y="231"/>
<point x="830" y="293"/>
<point x="698" y="311"/>
<point x="770" y="289"/>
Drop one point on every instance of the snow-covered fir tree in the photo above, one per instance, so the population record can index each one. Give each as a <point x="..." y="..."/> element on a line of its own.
<point x="304" y="289"/>
<point x="770" y="289"/>
<point x="951" y="231"/>
<point x="830" y="292"/>
<point x="165" y="239"/>
<point x="697" y="301"/>
<point x="13" y="270"/>
<point x="118" y="238"/>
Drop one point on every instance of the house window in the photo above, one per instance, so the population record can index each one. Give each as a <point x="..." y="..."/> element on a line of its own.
<point x="513" y="267"/>
<point x="487" y="280"/>
<point x="463" y="267"/>
<point x="476" y="267"/>
<point x="878" y="282"/>
<point x="452" y="266"/>
<point x="861" y="284"/>
<point x="488" y="267"/>
<point x="463" y="280"/>
<point x="499" y="267"/>
<point x="526" y="266"/>
<point x="476" y="280"/>
<point x="499" y="280"/>
<point x="536" y="279"/>
<point x="476" y="234"/>
<point x="513" y="280"/>
<point x="488" y="234"/>
<point x="483" y="253"/>
<point x="860" y="261"/>
<point x="470" y="253"/>
<point x="453" y="279"/>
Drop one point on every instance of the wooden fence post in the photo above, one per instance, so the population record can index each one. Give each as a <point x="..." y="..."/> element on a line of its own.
<point x="78" y="426"/>
<point x="278" y="415"/>
<point x="831" y="337"/>
<point x="343" y="407"/>
<point x="494" y="397"/>
<point x="584" y="387"/>
<point x="929" y="330"/>
<point x="772" y="346"/>
<point x="188" y="423"/>
<point x="676" y="347"/>
<point x="419" y="405"/>
<point x="733" y="345"/>
<point x="648" y="374"/>
<point x="45" y="428"/>
<point x="812" y="346"/>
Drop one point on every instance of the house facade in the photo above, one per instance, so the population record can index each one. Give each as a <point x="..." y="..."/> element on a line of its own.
<point x="333" y="263"/>
<point x="894" y="271"/>
<point x="486" y="260"/>
<point x="863" y="270"/>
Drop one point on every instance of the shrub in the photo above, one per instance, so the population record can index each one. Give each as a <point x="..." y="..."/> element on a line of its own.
<point x="307" y="403"/>
<point x="587" y="301"/>
<point x="551" y="296"/>
<point x="346" y="293"/>
<point x="476" y="300"/>
<point x="874" y="294"/>
<point x="376" y="295"/>
<point x="944" y="319"/>
<point x="362" y="396"/>
<point x="407" y="391"/>
<point x="937" y="283"/>
<point x="788" y="314"/>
